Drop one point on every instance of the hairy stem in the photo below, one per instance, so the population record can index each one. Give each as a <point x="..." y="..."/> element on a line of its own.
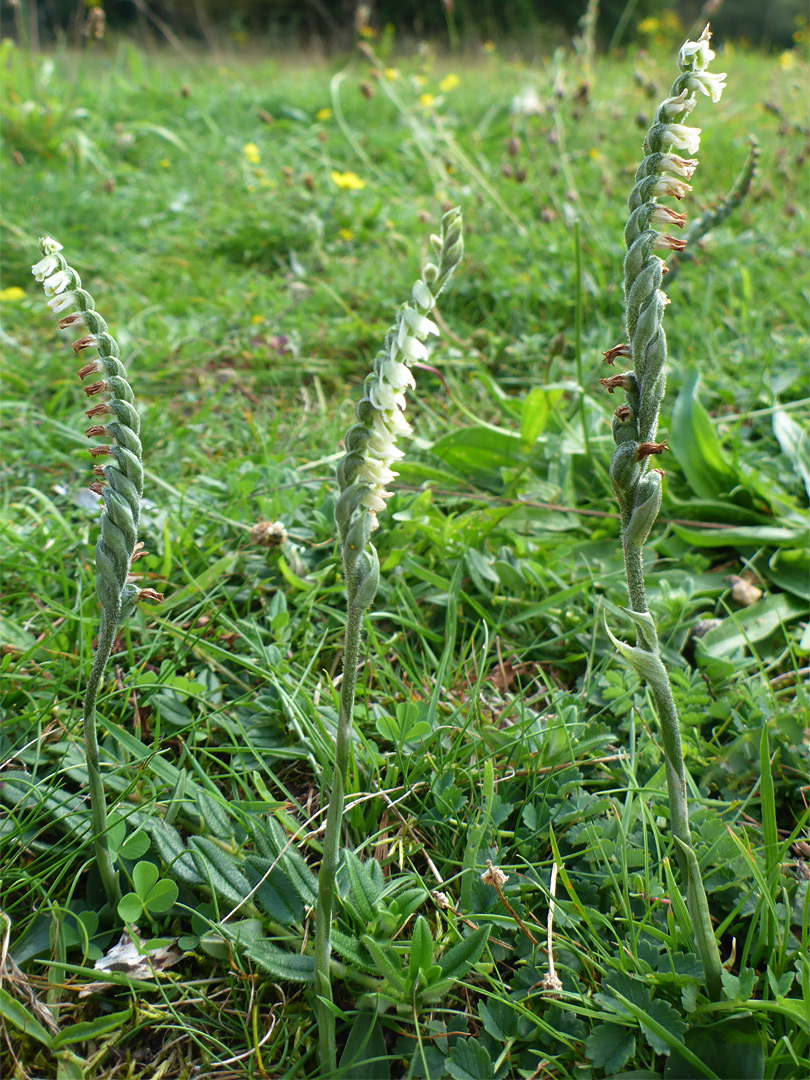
<point x="331" y="845"/>
<point x="98" y="802"/>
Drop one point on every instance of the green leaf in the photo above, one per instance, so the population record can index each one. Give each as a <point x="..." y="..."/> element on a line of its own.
<point x="17" y="1014"/>
<point x="789" y="569"/>
<point x="135" y="846"/>
<point x="144" y="878"/>
<point x="201" y="585"/>
<point x="221" y="871"/>
<point x="752" y="624"/>
<point x="421" y="957"/>
<point x="732" y="1049"/>
<point x="469" y="1060"/>
<point x="365" y="1056"/>
<point x="91" y="1029"/>
<point x="287" y="966"/>
<point x="130" y="907"/>
<point x="795" y="443"/>
<point x="276" y="894"/>
<point x="663" y="1014"/>
<point x="739" y="536"/>
<point x="172" y="851"/>
<point x="161" y="897"/>
<point x="458" y="960"/>
<point x="538" y="406"/>
<point x="696" y="446"/>
<point x="609" y="1046"/>
<point x="479" y="454"/>
<point x="384" y="960"/>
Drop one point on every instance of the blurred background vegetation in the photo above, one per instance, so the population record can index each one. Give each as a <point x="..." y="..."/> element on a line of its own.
<point x="332" y="25"/>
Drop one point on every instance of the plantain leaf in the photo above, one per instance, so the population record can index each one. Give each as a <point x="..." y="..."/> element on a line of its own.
<point x="795" y="443"/>
<point x="17" y="1014"/>
<point x="696" y="446"/>
<point x="753" y="624"/>
<point x="730" y="1049"/>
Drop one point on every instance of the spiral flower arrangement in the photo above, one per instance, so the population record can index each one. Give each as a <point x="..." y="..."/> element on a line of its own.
<point x="120" y="485"/>
<point x="363" y="475"/>
<point x="662" y="173"/>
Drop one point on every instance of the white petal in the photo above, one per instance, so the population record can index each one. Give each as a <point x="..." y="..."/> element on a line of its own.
<point x="413" y="349"/>
<point x="45" y="267"/>
<point x="422" y="296"/>
<point x="57" y="282"/>
<point x="382" y="396"/>
<point x="418" y="323"/>
<point x="62" y="301"/>
<point x="397" y="374"/>
<point x="48" y="245"/>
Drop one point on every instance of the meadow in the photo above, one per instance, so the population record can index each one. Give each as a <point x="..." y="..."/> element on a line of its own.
<point x="249" y="225"/>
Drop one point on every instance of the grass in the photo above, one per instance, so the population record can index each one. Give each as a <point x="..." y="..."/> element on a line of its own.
<point x="248" y="298"/>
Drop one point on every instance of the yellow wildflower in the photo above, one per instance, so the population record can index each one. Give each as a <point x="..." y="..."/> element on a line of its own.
<point x="787" y="60"/>
<point x="164" y="163"/>
<point x="392" y="74"/>
<point x="449" y="82"/>
<point x="251" y="152"/>
<point x="366" y="32"/>
<point x="426" y="100"/>
<point x="648" y="25"/>
<point x="345" y="234"/>
<point x="323" y="114"/>
<point x="256" y="320"/>
<point x="594" y="154"/>
<point x="348" y="180"/>
<point x="12" y="293"/>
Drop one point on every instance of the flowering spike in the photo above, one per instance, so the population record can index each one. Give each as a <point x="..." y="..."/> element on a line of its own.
<point x="371" y="443"/>
<point x="120" y="485"/>
<point x="634" y="427"/>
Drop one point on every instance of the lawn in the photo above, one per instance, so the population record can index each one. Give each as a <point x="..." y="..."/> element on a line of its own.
<point x="249" y="226"/>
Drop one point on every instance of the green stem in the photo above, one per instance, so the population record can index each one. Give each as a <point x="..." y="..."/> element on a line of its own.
<point x="98" y="802"/>
<point x="331" y="843"/>
<point x="696" y="899"/>
<point x="578" y="344"/>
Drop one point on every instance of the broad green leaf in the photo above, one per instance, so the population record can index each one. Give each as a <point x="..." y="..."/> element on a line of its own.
<point x="538" y="407"/>
<point x="469" y="1060"/>
<point x="739" y="536"/>
<point x="609" y="1046"/>
<point x="732" y="1049"/>
<point x="790" y="570"/>
<point x="666" y="1017"/>
<point x="365" y="1056"/>
<point x="696" y="446"/>
<point x="752" y="624"/>
<point x="17" y="1014"/>
<point x="283" y="965"/>
<point x="795" y="443"/>
<point x="91" y="1029"/>
<point x="479" y="454"/>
